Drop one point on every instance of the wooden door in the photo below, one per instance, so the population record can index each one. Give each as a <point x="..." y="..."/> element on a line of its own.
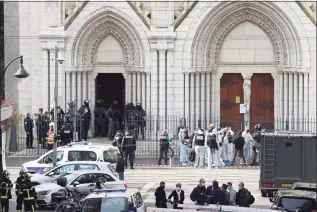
<point x="262" y="101"/>
<point x="231" y="95"/>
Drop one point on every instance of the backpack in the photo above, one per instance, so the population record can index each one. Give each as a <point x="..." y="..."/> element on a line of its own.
<point x="251" y="198"/>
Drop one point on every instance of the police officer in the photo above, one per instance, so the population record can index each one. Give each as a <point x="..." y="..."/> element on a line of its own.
<point x="65" y="134"/>
<point x="85" y="116"/>
<point x="140" y="120"/>
<point x="114" y="116"/>
<point x="199" y="147"/>
<point x="40" y="127"/>
<point x="60" y="117"/>
<point x="128" y="147"/>
<point x="5" y="191"/>
<point x="100" y="121"/>
<point x="29" y="194"/>
<point x="19" y="191"/>
<point x="131" y="116"/>
<point x="164" y="145"/>
<point x="28" y="127"/>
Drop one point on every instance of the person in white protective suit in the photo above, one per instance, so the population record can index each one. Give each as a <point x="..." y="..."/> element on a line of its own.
<point x="249" y="143"/>
<point x="183" y="145"/>
<point x="220" y="142"/>
<point x="212" y="147"/>
<point x="227" y="138"/>
<point x="199" y="147"/>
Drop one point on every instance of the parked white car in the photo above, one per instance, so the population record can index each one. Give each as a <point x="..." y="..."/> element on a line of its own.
<point x="71" y="153"/>
<point x="82" y="181"/>
<point x="70" y="167"/>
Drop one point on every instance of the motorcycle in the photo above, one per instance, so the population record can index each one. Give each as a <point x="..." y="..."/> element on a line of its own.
<point x="71" y="202"/>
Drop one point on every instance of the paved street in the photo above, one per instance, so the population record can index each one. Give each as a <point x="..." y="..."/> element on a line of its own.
<point x="147" y="180"/>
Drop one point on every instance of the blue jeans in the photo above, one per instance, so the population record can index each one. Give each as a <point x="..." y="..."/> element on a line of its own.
<point x="121" y="175"/>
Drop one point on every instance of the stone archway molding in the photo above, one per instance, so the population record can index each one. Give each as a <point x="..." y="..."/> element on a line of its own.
<point x="218" y="23"/>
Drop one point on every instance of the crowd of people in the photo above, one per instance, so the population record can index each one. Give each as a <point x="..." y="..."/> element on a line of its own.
<point x="202" y="195"/>
<point x="217" y="146"/>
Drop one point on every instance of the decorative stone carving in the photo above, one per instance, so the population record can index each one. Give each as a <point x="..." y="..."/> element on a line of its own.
<point x="247" y="89"/>
<point x="179" y="13"/>
<point x="247" y="14"/>
<point x="142" y="11"/>
<point x="108" y="26"/>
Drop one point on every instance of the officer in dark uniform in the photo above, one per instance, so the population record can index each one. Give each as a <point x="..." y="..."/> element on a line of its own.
<point x="164" y="145"/>
<point x="140" y="119"/>
<point x="66" y="134"/>
<point x="5" y="191"/>
<point x="131" y="117"/>
<point x="100" y="119"/>
<point x="19" y="191"/>
<point x="114" y="116"/>
<point x="29" y="194"/>
<point x="85" y="116"/>
<point x="40" y="127"/>
<point x="28" y="127"/>
<point x="128" y="147"/>
<point x="60" y="117"/>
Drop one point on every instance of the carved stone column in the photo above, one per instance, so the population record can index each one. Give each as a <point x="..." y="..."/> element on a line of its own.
<point x="296" y="121"/>
<point x="186" y="94"/>
<point x="281" y="115"/>
<point x="192" y="100"/>
<point x="247" y="96"/>
<point x="301" y="101"/>
<point x="68" y="86"/>
<point x="286" y="114"/>
<point x="154" y="85"/>
<point x="213" y="115"/>
<point x="276" y="99"/>
<point x="79" y="89"/>
<point x="134" y="88"/>
<point x="197" y="99"/>
<point x="74" y="89"/>
<point x="208" y="99"/>
<point x="162" y="85"/>
<point x="290" y="100"/>
<point x="203" y="100"/>
<point x="306" y="102"/>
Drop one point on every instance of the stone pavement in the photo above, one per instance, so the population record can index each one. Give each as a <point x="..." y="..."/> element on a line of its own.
<point x="148" y="179"/>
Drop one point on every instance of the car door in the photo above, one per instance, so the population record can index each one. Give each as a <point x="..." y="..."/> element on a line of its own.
<point x="84" y="185"/>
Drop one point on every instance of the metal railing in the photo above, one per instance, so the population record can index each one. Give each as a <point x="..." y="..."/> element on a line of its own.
<point x="147" y="130"/>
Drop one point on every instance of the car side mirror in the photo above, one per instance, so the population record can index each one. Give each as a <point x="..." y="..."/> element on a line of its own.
<point x="271" y="199"/>
<point x="76" y="183"/>
<point x="51" y="173"/>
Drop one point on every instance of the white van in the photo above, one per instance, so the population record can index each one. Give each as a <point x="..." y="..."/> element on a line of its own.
<point x="76" y="152"/>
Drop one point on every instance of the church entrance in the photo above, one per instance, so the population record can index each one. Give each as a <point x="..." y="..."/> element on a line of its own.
<point x="262" y="101"/>
<point x="111" y="87"/>
<point x="231" y="96"/>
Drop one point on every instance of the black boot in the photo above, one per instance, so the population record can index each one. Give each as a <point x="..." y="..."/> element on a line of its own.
<point x="132" y="167"/>
<point x="165" y="162"/>
<point x="159" y="162"/>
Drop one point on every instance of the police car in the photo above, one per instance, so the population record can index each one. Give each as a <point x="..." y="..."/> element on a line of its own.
<point x="73" y="152"/>
<point x="114" y="200"/>
<point x="70" y="167"/>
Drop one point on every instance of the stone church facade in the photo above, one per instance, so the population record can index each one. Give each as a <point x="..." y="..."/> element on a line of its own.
<point x="194" y="59"/>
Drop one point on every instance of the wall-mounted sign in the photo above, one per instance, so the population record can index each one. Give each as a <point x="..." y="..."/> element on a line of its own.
<point x="243" y="108"/>
<point x="237" y="99"/>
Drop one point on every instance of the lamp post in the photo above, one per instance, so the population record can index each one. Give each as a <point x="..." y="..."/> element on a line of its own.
<point x="20" y="74"/>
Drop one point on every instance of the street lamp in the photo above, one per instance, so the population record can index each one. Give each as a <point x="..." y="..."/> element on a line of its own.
<point x="20" y="74"/>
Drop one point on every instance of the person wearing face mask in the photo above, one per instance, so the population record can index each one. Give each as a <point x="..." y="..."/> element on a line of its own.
<point x="178" y="196"/>
<point x="160" y="196"/>
<point x="199" y="193"/>
<point x="247" y="148"/>
<point x="232" y="194"/>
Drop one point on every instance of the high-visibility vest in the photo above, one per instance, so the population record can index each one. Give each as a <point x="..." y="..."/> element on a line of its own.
<point x="50" y="137"/>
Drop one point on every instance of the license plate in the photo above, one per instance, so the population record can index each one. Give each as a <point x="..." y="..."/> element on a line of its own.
<point x="286" y="185"/>
<point x="67" y="131"/>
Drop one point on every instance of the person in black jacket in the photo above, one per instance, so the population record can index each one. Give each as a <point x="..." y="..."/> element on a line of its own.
<point x="120" y="166"/>
<point x="238" y="144"/>
<point x="215" y="194"/>
<point x="5" y="191"/>
<point x="160" y="196"/>
<point x="243" y="196"/>
<point x="199" y="193"/>
<point x="178" y="196"/>
<point x="28" y="127"/>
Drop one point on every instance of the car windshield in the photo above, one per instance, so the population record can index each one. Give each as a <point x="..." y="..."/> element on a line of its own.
<point x="110" y="156"/>
<point x="68" y="176"/>
<point x="114" y="204"/>
<point x="297" y="204"/>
